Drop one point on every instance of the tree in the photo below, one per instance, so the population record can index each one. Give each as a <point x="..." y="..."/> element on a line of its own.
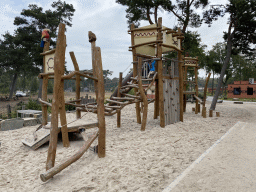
<point x="34" y="20"/>
<point x="241" y="31"/>
<point x="184" y="10"/>
<point x="14" y="59"/>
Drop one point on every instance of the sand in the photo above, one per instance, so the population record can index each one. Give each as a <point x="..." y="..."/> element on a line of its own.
<point x="135" y="161"/>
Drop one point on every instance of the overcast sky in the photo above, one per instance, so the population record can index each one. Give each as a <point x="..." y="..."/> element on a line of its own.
<point x="107" y="20"/>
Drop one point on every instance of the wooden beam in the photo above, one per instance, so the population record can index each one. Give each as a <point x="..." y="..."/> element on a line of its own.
<point x="198" y="99"/>
<point x="118" y="96"/>
<point x="146" y="43"/>
<point x="160" y="75"/>
<point x="54" y="170"/>
<point x="45" y="103"/>
<point x="143" y="96"/>
<point x="59" y="60"/>
<point x="78" y="80"/>
<point x="135" y="72"/>
<point x="100" y="102"/>
<point x="180" y="60"/>
<point x="205" y="88"/>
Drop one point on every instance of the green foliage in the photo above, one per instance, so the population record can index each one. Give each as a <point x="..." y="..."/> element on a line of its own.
<point x="50" y="86"/>
<point x="131" y="92"/>
<point x="33" y="104"/>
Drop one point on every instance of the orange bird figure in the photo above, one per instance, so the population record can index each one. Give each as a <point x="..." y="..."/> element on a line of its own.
<point x="45" y="36"/>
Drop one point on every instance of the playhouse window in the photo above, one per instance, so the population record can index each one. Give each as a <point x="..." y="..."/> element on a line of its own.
<point x="249" y="91"/>
<point x="237" y="91"/>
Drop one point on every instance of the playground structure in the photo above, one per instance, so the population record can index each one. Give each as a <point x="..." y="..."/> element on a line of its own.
<point x="148" y="44"/>
<point x="54" y="69"/>
<point x="191" y="63"/>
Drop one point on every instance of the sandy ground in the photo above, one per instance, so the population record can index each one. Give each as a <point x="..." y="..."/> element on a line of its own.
<point x="135" y="161"/>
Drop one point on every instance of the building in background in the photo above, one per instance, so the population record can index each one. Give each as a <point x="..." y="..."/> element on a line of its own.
<point x="242" y="89"/>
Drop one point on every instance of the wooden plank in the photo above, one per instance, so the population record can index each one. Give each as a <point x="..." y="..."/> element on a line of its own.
<point x="118" y="97"/>
<point x="160" y="75"/>
<point x="100" y="101"/>
<point x="135" y="72"/>
<point x="143" y="96"/>
<point x="53" y="171"/>
<point x="122" y="98"/>
<point x="59" y="60"/>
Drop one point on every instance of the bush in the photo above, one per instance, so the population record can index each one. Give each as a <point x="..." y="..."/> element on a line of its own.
<point x="32" y="104"/>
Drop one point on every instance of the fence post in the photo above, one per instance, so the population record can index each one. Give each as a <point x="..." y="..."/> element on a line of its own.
<point x="9" y="111"/>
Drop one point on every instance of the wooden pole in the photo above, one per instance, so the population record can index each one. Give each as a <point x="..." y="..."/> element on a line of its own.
<point x="119" y="95"/>
<point x="198" y="107"/>
<point x="205" y="88"/>
<point x="92" y="40"/>
<point x="143" y="95"/>
<point x="72" y="55"/>
<point x="204" y="112"/>
<point x="196" y="88"/>
<point x="210" y="113"/>
<point x="44" y="87"/>
<point x="185" y="87"/>
<point x="63" y="120"/>
<point x="135" y="73"/>
<point x="160" y="74"/>
<point x="59" y="60"/>
<point x="180" y="82"/>
<point x="54" y="170"/>
<point x="100" y="102"/>
<point x="217" y="114"/>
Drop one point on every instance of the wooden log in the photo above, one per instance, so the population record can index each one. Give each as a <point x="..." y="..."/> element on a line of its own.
<point x="44" y="97"/>
<point x="122" y="98"/>
<point x="196" y="89"/>
<point x="119" y="96"/>
<point x="54" y="170"/>
<point x="217" y="114"/>
<point x="117" y="102"/>
<point x="135" y="72"/>
<point x="193" y="109"/>
<point x="198" y="99"/>
<point x="144" y="97"/>
<point x="210" y="113"/>
<point x="180" y="83"/>
<point x="205" y="88"/>
<point x="59" y="60"/>
<point x="92" y="40"/>
<point x="160" y="75"/>
<point x="73" y="58"/>
<point x="63" y="119"/>
<point x="189" y="92"/>
<point x="100" y="101"/>
<point x="204" y="112"/>
<point x="45" y="103"/>
<point x="152" y="83"/>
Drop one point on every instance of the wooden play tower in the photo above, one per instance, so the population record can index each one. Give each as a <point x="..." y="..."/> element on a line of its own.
<point x="151" y="42"/>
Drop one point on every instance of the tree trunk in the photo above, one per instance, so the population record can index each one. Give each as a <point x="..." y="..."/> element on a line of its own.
<point x="223" y="70"/>
<point x="212" y="81"/>
<point x="13" y="85"/>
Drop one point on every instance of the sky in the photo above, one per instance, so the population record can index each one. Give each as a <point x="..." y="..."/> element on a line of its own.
<point x="108" y="21"/>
